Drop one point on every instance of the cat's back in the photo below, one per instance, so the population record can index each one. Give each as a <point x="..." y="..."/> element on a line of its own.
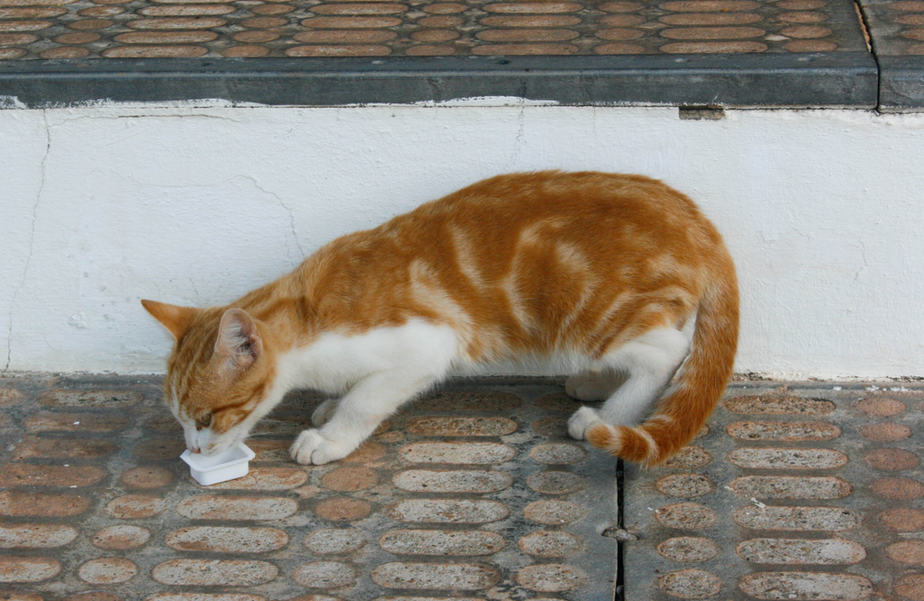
<point x="505" y="201"/>
<point x="584" y="207"/>
<point x="603" y="215"/>
<point x="515" y="253"/>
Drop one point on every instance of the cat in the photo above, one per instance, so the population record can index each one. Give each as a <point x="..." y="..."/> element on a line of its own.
<point x="616" y="280"/>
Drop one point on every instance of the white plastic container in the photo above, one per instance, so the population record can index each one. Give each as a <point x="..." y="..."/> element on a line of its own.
<point x="233" y="463"/>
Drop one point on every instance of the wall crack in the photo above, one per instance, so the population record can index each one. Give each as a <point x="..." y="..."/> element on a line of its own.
<point x="281" y="203"/>
<point x="31" y="247"/>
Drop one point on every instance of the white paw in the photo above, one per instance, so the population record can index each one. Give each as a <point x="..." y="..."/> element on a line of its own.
<point x="312" y="448"/>
<point x="589" y="387"/>
<point x="580" y="421"/>
<point x="323" y="413"/>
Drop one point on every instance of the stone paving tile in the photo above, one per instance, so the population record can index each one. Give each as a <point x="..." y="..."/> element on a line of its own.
<point x="897" y="26"/>
<point x="797" y="492"/>
<point x="473" y="494"/>
<point x="70" y="29"/>
<point x="896" y="29"/>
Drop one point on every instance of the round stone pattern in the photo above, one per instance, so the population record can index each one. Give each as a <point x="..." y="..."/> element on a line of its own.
<point x="689" y="458"/>
<point x="688" y="549"/>
<point x="324" y="574"/>
<point x="553" y="512"/>
<point x="28" y="569"/>
<point x="795" y="551"/>
<point x="349" y="478"/>
<point x="887" y="432"/>
<point x="107" y="570"/>
<point x="479" y="453"/>
<point x="911" y="586"/>
<point x="452" y="481"/>
<point x="909" y="552"/>
<point x="685" y="485"/>
<point x="904" y="519"/>
<point x="554" y="482"/>
<point x="214" y="572"/>
<point x="550" y="543"/>
<point x="551" y="577"/>
<point x="783" y="586"/>
<point x="686" y="516"/>
<point x="881" y="407"/>
<point x="121" y="537"/>
<point x="690" y="584"/>
<point x="425" y="576"/>
<point x="441" y="542"/>
<point x="335" y="540"/>
<point x="897" y="488"/>
<point x="342" y="509"/>
<point x="147" y="477"/>
<point x="891" y="460"/>
<point x="557" y="453"/>
<point x="227" y="539"/>
<point x="448" y="511"/>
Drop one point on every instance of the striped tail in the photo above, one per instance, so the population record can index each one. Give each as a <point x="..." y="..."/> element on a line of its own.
<point x="697" y="387"/>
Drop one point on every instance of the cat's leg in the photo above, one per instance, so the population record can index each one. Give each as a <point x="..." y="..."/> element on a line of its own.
<point x="626" y="406"/>
<point x="593" y="385"/>
<point x="650" y="362"/>
<point x="387" y="366"/>
<point x="359" y="413"/>
<point x="323" y="412"/>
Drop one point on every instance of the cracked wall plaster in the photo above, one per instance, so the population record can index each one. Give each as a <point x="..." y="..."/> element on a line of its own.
<point x="198" y="205"/>
<point x="23" y="158"/>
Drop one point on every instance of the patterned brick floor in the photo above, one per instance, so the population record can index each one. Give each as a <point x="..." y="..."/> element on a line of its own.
<point x="898" y="26"/>
<point x="309" y="52"/>
<point x="475" y="493"/>
<point x="793" y="492"/>
<point x="796" y="492"/>
<point x="54" y="29"/>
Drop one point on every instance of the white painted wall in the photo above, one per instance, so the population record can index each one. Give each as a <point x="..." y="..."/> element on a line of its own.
<point x="101" y="206"/>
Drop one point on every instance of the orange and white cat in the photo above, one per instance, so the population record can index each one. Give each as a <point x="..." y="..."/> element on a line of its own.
<point x="616" y="280"/>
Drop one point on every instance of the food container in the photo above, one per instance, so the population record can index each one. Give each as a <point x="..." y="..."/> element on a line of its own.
<point x="212" y="469"/>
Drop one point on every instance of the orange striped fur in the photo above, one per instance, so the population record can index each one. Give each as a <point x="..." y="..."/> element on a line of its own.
<point x="524" y="266"/>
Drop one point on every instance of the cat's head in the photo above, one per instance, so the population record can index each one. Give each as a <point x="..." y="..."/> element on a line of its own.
<point x="219" y="374"/>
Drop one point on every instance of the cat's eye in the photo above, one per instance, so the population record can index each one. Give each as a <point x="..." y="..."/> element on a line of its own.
<point x="203" y="421"/>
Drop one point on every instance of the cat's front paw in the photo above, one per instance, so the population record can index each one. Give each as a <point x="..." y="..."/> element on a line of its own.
<point x="312" y="448"/>
<point x="580" y="421"/>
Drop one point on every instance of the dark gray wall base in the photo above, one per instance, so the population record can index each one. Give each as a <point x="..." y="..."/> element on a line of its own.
<point x="767" y="80"/>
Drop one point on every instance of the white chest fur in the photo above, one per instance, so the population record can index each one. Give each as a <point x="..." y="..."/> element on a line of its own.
<point x="335" y="361"/>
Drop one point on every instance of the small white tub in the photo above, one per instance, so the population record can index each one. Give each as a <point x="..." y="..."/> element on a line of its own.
<point x="233" y="463"/>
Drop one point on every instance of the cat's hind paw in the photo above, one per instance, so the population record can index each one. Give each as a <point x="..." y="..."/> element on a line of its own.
<point x="312" y="448"/>
<point x="323" y="413"/>
<point x="590" y="387"/>
<point x="580" y="421"/>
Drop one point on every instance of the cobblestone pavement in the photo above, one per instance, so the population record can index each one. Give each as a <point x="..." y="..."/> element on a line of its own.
<point x="864" y="53"/>
<point x="794" y="492"/>
<point x="474" y="493"/>
<point x="54" y="29"/>
<point x="898" y="26"/>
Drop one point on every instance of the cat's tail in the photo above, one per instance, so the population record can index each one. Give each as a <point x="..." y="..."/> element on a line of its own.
<point x="697" y="386"/>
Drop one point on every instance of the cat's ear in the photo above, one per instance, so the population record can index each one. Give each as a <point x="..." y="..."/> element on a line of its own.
<point x="238" y="343"/>
<point x="174" y="318"/>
